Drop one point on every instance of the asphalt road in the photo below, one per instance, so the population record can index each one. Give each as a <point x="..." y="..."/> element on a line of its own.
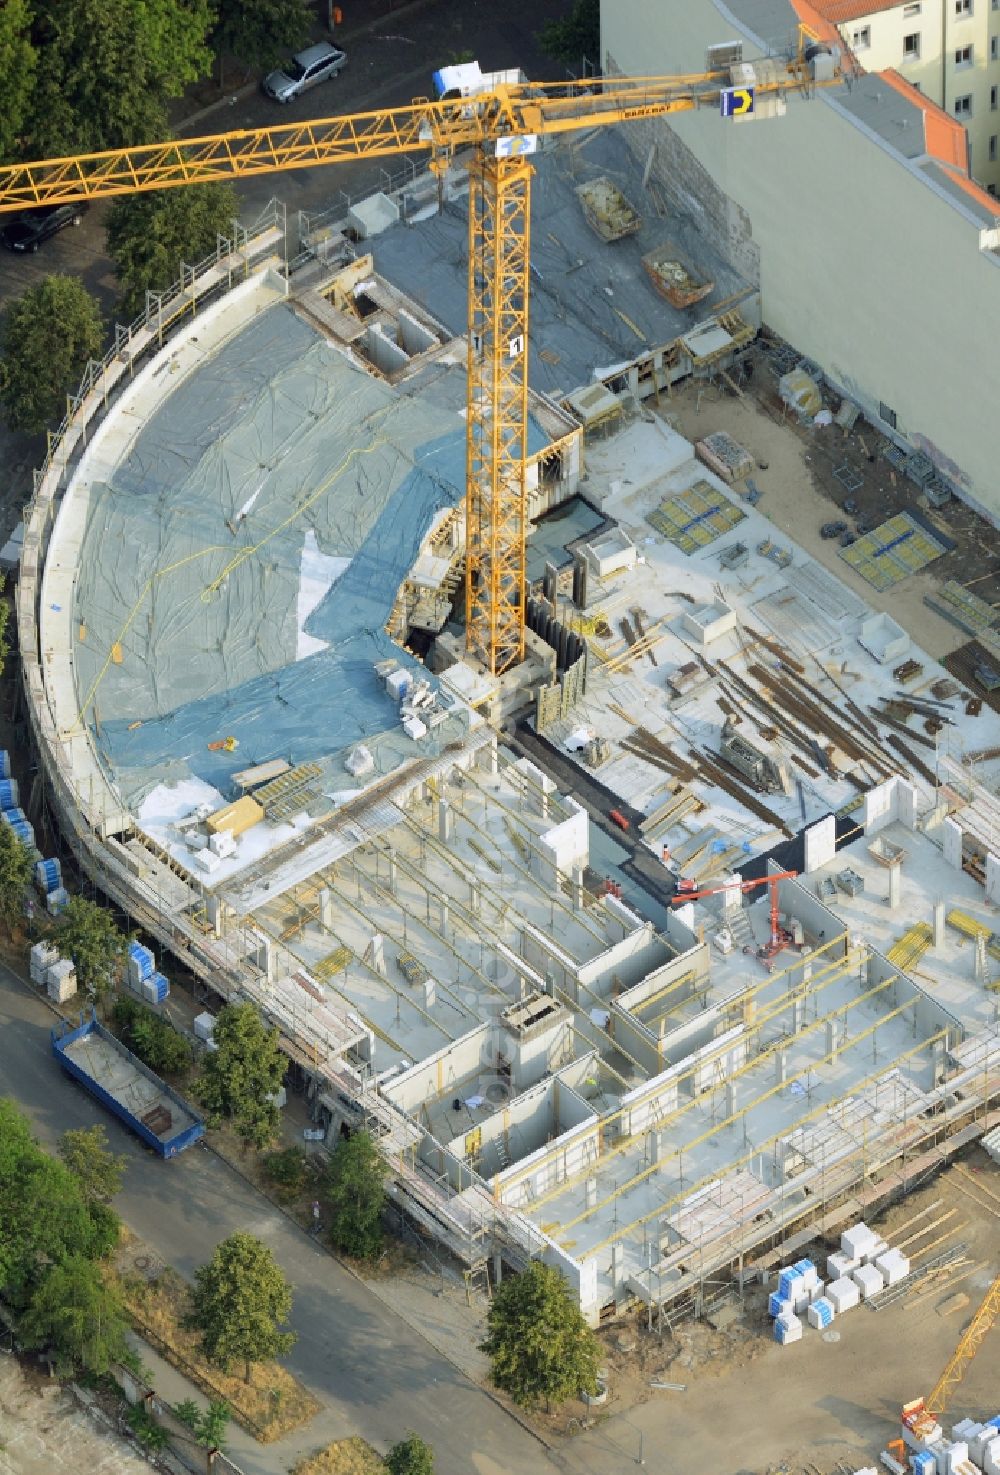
<point x="374" y="1375"/>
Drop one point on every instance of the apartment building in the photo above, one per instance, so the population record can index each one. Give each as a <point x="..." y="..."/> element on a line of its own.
<point x="949" y="49"/>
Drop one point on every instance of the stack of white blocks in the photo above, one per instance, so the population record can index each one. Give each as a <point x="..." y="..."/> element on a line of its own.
<point x="869" y="1281"/>
<point x="843" y="1294"/>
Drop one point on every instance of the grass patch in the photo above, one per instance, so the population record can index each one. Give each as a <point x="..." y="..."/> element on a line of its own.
<point x="270" y="1406"/>
<point x="352" y="1456"/>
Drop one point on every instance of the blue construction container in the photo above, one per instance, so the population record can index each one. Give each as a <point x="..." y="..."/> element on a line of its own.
<point x="48" y="875"/>
<point x="155" y="988"/>
<point x="923" y="1463"/>
<point x="12" y="815"/>
<point x="4" y="763"/>
<point x="25" y="833"/>
<point x="141" y="964"/>
<point x="8" y="793"/>
<point x="168" y="1125"/>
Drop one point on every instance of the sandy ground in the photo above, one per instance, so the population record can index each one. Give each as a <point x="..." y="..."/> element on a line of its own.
<point x="795" y="500"/>
<point x="43" y="1432"/>
<point x="750" y="1405"/>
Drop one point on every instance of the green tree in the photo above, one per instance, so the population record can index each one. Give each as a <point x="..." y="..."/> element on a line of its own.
<point x="153" y="1039"/>
<point x="46" y="338"/>
<point x="89" y="935"/>
<point x="16" y="865"/>
<point x="354" y="1191"/>
<point x="208" y="1425"/>
<point x="259" y="33"/>
<point x="18" y="60"/>
<point x="238" y="1301"/>
<point x="576" y="37"/>
<point x="95" y="1167"/>
<point x="77" y="1314"/>
<point x="539" y="1346"/>
<point x="288" y="1170"/>
<point x="44" y="1217"/>
<point x="109" y="67"/>
<point x="149" y="235"/>
<point x="241" y="1076"/>
<point x="410" y="1456"/>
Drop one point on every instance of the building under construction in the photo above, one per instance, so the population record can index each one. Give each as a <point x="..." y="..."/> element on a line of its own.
<point x="240" y="613"/>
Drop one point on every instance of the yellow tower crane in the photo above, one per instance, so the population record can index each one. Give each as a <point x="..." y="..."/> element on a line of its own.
<point x="501" y="121"/>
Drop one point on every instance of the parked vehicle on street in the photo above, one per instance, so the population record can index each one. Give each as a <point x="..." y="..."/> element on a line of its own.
<point x="28" y="230"/>
<point x="315" y="64"/>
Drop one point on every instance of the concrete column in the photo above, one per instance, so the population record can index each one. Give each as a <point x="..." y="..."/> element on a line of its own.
<point x="895" y="887"/>
<point x="938" y="1061"/>
<point x="213" y="908"/>
<point x="488" y="756"/>
<point x="730" y="1098"/>
<point x="326" y="908"/>
<point x="798" y="1015"/>
<point x="376" y="950"/>
<point x="653" y="1142"/>
<point x="939" y="924"/>
<point x="832" y="1036"/>
<point x="497" y="1267"/>
<point x="578" y="888"/>
<point x="392" y="871"/>
<point x="590" y="1194"/>
<point x="430" y="993"/>
<point x="951" y="838"/>
<point x="780" y="1067"/>
<point x="992" y="878"/>
<point x="445" y="914"/>
<point x="446" y="821"/>
<point x="474" y="893"/>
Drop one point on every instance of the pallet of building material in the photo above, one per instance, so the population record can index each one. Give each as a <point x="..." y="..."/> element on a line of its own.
<point x="606" y="209"/>
<point x="724" y="455"/>
<point x="961" y="607"/>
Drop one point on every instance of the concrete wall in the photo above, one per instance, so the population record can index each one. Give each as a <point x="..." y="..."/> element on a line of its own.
<point x="442" y="1070"/>
<point x="696" y="961"/>
<point x="840" y="280"/>
<point x="549" y="1165"/>
<point x="626" y="961"/>
<point x="525" y="1125"/>
<point x="930" y="1016"/>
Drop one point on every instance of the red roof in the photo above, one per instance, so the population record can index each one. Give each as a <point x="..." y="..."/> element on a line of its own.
<point x="839" y="11"/>
<point x="944" y="136"/>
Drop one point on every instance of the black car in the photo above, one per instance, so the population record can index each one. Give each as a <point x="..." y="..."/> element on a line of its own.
<point x="832" y="529"/>
<point x="29" y="230"/>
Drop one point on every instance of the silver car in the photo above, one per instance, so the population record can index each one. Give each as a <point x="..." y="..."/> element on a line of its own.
<point x="315" y="64"/>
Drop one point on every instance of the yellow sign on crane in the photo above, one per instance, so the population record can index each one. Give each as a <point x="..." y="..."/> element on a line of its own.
<point x="501" y="120"/>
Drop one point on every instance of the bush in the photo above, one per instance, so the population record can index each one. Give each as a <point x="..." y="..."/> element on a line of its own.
<point x="145" y="1428"/>
<point x="153" y="1039"/>
<point x="288" y="1170"/>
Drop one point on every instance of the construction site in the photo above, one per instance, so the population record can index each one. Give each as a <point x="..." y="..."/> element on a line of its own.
<point x="608" y="845"/>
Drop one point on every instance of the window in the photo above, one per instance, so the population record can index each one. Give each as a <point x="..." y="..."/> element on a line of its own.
<point x="887" y="416"/>
<point x="991" y="189"/>
<point x="963" y="106"/>
<point x="862" y="39"/>
<point x="911" y="46"/>
<point x="963" y="7"/>
<point x="993" y="148"/>
<point x="993" y="98"/>
<point x="963" y="56"/>
<point x="994" y="48"/>
<point x="909" y="10"/>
